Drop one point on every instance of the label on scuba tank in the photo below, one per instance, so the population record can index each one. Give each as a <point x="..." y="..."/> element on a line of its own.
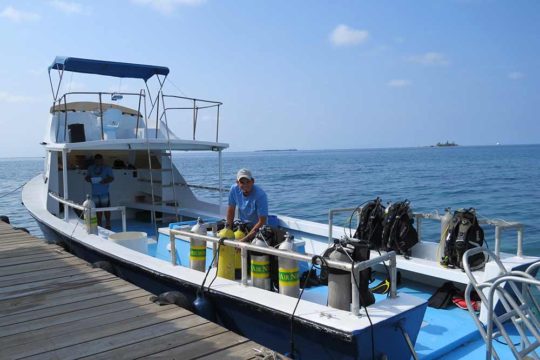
<point x="197" y="252"/>
<point x="260" y="269"/>
<point x="288" y="277"/>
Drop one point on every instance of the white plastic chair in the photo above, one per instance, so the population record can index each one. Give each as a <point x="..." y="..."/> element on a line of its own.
<point x="511" y="289"/>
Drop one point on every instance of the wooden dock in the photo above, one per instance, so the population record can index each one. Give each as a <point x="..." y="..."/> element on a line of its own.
<point x="54" y="305"/>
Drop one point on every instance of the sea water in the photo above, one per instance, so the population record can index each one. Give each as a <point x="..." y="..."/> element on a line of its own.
<point x="500" y="182"/>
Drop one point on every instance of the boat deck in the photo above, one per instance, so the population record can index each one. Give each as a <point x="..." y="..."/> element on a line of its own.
<point x="54" y="305"/>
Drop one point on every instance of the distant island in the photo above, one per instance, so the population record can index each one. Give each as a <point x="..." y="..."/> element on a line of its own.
<point x="447" y="143"/>
<point x="276" y="150"/>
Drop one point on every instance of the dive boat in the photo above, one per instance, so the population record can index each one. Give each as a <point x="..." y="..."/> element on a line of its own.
<point x="154" y="211"/>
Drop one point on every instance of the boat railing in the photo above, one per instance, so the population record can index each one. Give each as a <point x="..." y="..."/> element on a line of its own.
<point x="507" y="298"/>
<point x="354" y="268"/>
<point x="333" y="212"/>
<point x="83" y="208"/>
<point x="61" y="104"/>
<point x="499" y="225"/>
<point x="193" y="106"/>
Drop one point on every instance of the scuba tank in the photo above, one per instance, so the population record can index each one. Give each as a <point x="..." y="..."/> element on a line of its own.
<point x="239" y="233"/>
<point x="260" y="263"/>
<point x="446" y="224"/>
<point x="197" y="248"/>
<point x="226" y="256"/>
<point x="339" y="281"/>
<point x="289" y="283"/>
<point x="90" y="217"/>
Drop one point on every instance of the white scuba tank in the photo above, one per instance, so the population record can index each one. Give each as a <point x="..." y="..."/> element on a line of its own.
<point x="260" y="265"/>
<point x="446" y="223"/>
<point x="197" y="248"/>
<point x="339" y="282"/>
<point x="90" y="217"/>
<point x="289" y="283"/>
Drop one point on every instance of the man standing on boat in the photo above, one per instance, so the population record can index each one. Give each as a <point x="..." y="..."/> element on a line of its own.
<point x="251" y="201"/>
<point x="100" y="175"/>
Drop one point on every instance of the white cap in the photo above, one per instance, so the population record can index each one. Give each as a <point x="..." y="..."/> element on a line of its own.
<point x="244" y="173"/>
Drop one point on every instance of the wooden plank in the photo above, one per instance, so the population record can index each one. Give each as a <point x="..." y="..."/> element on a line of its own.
<point x="202" y="347"/>
<point x="161" y="343"/>
<point x="12" y="231"/>
<point x="34" y="302"/>
<point x="247" y="350"/>
<point x="42" y="265"/>
<point x="85" y="337"/>
<point x="71" y="316"/>
<point x="10" y="241"/>
<point x="17" y="245"/>
<point x="16" y="237"/>
<point x="28" y="251"/>
<point x="85" y="343"/>
<point x="53" y="287"/>
<point x="73" y="281"/>
<point x="33" y="258"/>
<point x="99" y="321"/>
<point x="34" y="276"/>
<point x="70" y="307"/>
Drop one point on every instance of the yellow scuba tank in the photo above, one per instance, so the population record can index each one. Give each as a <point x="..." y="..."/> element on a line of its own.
<point x="226" y="256"/>
<point x="238" y="234"/>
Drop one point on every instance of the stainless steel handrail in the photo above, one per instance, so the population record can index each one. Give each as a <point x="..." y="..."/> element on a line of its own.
<point x="63" y="100"/>
<point x="331" y="214"/>
<point x="195" y="107"/>
<point x="74" y="205"/>
<point x="340" y="265"/>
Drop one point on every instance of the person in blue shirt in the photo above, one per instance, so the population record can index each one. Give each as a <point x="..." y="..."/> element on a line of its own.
<point x="100" y="175"/>
<point x="251" y="202"/>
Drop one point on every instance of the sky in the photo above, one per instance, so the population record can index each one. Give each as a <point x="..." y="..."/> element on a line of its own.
<point x="293" y="74"/>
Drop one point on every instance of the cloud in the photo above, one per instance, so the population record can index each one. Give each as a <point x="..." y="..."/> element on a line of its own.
<point x="398" y="83"/>
<point x="343" y="35"/>
<point x="15" y="15"/>
<point x="429" y="58"/>
<point x="167" y="7"/>
<point x="516" y="75"/>
<point x="9" y="98"/>
<point x="67" y="7"/>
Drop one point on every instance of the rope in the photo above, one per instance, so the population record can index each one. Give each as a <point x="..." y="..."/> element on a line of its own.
<point x="12" y="191"/>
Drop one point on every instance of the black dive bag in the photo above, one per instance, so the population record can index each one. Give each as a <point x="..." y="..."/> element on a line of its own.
<point x="465" y="233"/>
<point x="370" y="226"/>
<point x="398" y="232"/>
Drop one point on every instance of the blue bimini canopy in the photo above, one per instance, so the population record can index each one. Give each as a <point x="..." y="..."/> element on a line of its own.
<point x="107" y="68"/>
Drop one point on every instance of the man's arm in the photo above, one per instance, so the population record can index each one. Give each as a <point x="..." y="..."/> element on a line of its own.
<point x="230" y="216"/>
<point x="108" y="177"/>
<point x="253" y="232"/>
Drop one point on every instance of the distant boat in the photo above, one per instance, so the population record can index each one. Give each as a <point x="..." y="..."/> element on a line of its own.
<point x="447" y="143"/>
